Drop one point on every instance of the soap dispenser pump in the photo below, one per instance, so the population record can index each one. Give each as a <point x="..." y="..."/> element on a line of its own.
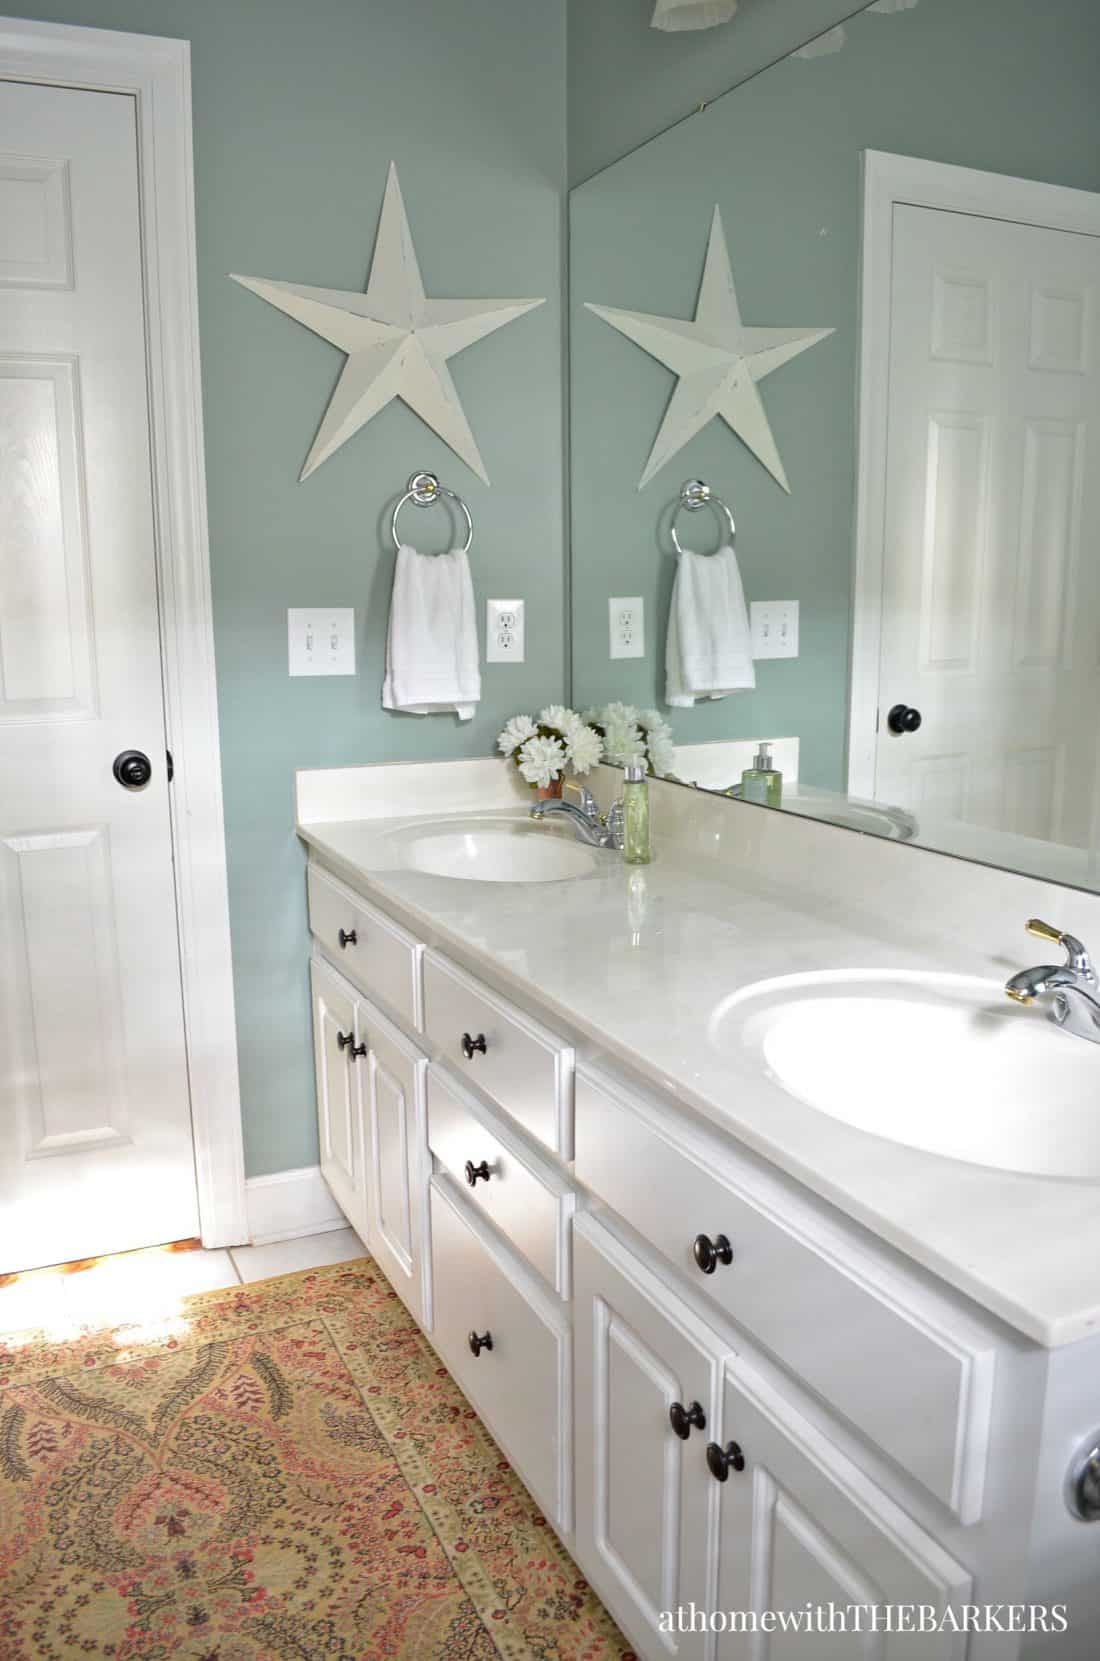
<point x="762" y="782"/>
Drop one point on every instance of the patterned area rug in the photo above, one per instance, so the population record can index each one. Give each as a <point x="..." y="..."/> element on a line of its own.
<point x="282" y="1470"/>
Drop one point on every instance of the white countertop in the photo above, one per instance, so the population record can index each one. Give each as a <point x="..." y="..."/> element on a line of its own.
<point x="639" y="960"/>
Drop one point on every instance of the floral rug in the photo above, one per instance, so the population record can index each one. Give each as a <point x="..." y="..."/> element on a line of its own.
<point x="281" y="1470"/>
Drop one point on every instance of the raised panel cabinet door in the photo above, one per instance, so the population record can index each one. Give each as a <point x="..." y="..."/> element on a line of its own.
<point x="397" y="1160"/>
<point x="646" y="1506"/>
<point x="805" y="1536"/>
<point x="341" y="1078"/>
<point x="95" y="1116"/>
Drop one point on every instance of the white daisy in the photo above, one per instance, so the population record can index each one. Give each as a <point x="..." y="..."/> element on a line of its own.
<point x="517" y="731"/>
<point x="585" y="748"/>
<point x="557" y="716"/>
<point x="622" y="737"/>
<point x="542" y="760"/>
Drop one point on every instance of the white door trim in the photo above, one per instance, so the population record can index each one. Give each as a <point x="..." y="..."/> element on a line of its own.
<point x="157" y="73"/>
<point x="889" y="179"/>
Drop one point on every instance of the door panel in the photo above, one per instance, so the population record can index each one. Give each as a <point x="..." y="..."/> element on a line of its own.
<point x="397" y="1160"/>
<point x="93" y="1070"/>
<point x="340" y="1092"/>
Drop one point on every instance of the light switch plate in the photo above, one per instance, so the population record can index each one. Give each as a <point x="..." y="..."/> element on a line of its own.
<point x="774" y="628"/>
<point x="626" y="624"/>
<point x="321" y="641"/>
<point x="505" y="640"/>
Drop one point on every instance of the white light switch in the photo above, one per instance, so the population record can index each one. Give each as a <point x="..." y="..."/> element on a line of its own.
<point x="626" y="620"/>
<point x="504" y="631"/>
<point x="774" y="628"/>
<point x="321" y="642"/>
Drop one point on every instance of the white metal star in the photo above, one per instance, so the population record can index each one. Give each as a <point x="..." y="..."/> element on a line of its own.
<point x="397" y="340"/>
<point x="718" y="360"/>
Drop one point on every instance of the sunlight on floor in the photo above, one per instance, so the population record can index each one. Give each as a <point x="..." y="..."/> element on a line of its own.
<point x="140" y="1293"/>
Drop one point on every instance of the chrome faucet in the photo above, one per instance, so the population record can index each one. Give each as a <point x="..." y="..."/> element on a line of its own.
<point x="585" y="818"/>
<point x="1072" y="986"/>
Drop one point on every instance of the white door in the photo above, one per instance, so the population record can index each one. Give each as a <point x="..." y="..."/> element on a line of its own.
<point x="341" y="1064"/>
<point x="803" y="1530"/>
<point x="95" y="1132"/>
<point x="397" y="1161"/>
<point x="991" y="590"/>
<point x="646" y="1505"/>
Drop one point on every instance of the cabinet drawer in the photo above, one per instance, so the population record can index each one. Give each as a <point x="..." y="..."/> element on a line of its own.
<point x="521" y="1385"/>
<point x="908" y="1369"/>
<point x="371" y="949"/>
<point x="523" y="1066"/>
<point x="523" y="1195"/>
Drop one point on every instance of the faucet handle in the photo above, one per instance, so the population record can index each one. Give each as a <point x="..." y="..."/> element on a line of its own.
<point x="1044" y="931"/>
<point x="1076" y="955"/>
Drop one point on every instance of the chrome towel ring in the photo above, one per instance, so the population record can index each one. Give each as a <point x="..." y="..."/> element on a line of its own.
<point x="694" y="494"/>
<point x="424" y="489"/>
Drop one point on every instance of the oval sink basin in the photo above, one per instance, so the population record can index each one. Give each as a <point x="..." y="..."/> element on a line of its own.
<point x="939" y="1062"/>
<point x="480" y="850"/>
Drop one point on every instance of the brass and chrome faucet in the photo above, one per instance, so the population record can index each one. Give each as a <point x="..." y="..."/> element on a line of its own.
<point x="586" y="820"/>
<point x="1072" y="986"/>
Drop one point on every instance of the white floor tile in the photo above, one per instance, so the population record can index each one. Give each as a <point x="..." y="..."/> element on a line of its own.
<point x="286" y="1257"/>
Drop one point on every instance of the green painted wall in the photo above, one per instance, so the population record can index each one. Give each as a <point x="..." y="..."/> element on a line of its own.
<point x="999" y="84"/>
<point x="298" y="111"/>
<point x="628" y="82"/>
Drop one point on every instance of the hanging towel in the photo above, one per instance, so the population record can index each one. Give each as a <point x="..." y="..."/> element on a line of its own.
<point x="431" y="649"/>
<point x="708" y="653"/>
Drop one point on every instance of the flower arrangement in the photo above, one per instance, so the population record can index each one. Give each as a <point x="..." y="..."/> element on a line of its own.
<point x="631" y="734"/>
<point x="544" y="747"/>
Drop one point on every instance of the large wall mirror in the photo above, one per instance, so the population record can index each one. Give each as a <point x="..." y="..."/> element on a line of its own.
<point x="854" y="306"/>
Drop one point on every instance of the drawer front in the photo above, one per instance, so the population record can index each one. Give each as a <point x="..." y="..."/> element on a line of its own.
<point x="523" y="1066"/>
<point x="371" y="950"/>
<point x="521" y="1385"/>
<point x="526" y="1200"/>
<point x="918" y="1382"/>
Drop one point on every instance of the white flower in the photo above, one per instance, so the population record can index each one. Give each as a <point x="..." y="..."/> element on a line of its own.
<point x="542" y="760"/>
<point x="561" y="719"/>
<point x="622" y="737"/>
<point x="585" y="748"/>
<point x="517" y="731"/>
<point x="658" y="740"/>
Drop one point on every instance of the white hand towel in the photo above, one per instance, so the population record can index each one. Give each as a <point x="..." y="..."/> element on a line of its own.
<point x="431" y="649"/>
<point x="708" y="653"/>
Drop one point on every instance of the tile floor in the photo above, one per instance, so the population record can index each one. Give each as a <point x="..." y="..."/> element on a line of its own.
<point x="135" y="1284"/>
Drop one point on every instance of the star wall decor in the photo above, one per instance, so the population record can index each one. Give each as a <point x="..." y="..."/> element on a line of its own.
<point x="397" y="340"/>
<point x="718" y="360"/>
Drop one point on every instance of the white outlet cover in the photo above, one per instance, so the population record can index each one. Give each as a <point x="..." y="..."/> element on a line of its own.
<point x="505" y="631"/>
<point x="321" y="641"/>
<point x="626" y="626"/>
<point x="774" y="626"/>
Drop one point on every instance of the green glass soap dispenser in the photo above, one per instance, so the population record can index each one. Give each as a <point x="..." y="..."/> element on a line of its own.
<point x="635" y="814"/>
<point x="762" y="782"/>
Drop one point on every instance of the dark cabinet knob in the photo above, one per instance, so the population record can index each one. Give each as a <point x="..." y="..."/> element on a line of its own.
<point x="473" y="1172"/>
<point x="682" y="1419"/>
<point x="132" y="769"/>
<point x="470" y="1045"/>
<point x="477" y="1342"/>
<point x="721" y="1461"/>
<point x="709" y="1253"/>
<point x="902" y="719"/>
<point x="346" y="1040"/>
<point x="348" y="937"/>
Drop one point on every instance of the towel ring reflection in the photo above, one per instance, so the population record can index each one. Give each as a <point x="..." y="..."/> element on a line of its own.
<point x="423" y="490"/>
<point x="694" y="494"/>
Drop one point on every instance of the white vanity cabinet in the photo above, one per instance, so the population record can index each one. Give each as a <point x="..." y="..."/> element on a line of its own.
<point x="339" y="1055"/>
<point x="396" y="1162"/>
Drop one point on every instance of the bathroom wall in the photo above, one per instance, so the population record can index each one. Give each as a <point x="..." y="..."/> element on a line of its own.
<point x="298" y="111"/>
<point x="998" y="84"/>
<point x="628" y="81"/>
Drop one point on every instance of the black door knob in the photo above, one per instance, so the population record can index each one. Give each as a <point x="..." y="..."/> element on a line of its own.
<point x="132" y="769"/>
<point x="902" y="719"/>
<point x="721" y="1461"/>
<point x="347" y="937"/>
<point x="470" y="1045"/>
<point x="682" y="1419"/>
<point x="709" y="1253"/>
<point x="473" y="1172"/>
<point x="478" y="1343"/>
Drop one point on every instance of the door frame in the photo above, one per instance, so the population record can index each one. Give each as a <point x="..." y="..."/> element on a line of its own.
<point x="888" y="180"/>
<point x="156" y="72"/>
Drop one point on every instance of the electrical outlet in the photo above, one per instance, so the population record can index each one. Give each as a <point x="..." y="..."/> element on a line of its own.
<point x="504" y="631"/>
<point x="774" y="628"/>
<point x="626" y="619"/>
<point x="321" y="642"/>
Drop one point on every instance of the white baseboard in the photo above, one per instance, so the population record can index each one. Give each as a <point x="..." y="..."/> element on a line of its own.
<point x="289" y="1204"/>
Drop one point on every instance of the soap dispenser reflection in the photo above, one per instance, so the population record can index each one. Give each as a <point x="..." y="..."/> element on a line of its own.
<point x="762" y="782"/>
<point x="637" y="904"/>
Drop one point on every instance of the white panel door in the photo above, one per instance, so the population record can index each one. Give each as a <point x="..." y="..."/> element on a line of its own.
<point x="95" y="1130"/>
<point x="395" y="1141"/>
<point x="991" y="599"/>
<point x="803" y="1530"/>
<point x="341" y="1065"/>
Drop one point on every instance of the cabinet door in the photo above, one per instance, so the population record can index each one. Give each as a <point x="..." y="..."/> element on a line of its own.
<point x="800" y="1525"/>
<point x="340" y="1080"/>
<point x="396" y="1155"/>
<point x="646" y="1505"/>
